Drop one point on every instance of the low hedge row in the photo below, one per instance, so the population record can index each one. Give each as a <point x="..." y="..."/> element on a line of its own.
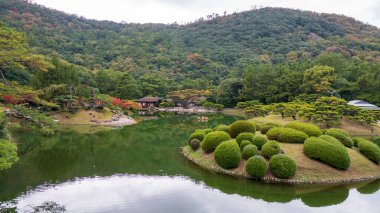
<point x="213" y="139"/>
<point x="245" y="136"/>
<point x="341" y="136"/>
<point x="327" y="151"/>
<point x="309" y="129"/>
<point x="270" y="149"/>
<point x="227" y="154"/>
<point x="241" y="126"/>
<point x="273" y="133"/>
<point x="256" y="166"/>
<point x="249" y="151"/>
<point x="370" y="150"/>
<point x="286" y="135"/>
<point x="282" y="166"/>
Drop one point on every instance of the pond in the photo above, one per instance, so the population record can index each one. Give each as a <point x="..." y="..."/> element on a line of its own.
<point x="140" y="168"/>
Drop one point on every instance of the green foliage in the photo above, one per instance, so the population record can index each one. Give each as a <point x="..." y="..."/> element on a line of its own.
<point x="35" y="117"/>
<point x="203" y="131"/>
<point x="327" y="151"/>
<point x="167" y="104"/>
<point x="244" y="143"/>
<point x="258" y="110"/>
<point x="341" y="136"/>
<point x="249" y="151"/>
<point x="223" y="128"/>
<point x="245" y="136"/>
<point x="213" y="139"/>
<point x="196" y="135"/>
<point x="370" y="150"/>
<point x="227" y="154"/>
<point x="8" y="154"/>
<point x="270" y="149"/>
<point x="357" y="140"/>
<point x="256" y="166"/>
<point x="376" y="140"/>
<point x="265" y="128"/>
<point x="213" y="106"/>
<point x="194" y="144"/>
<point x="47" y="131"/>
<point x="259" y="141"/>
<point x="282" y="166"/>
<point x="292" y="136"/>
<point x="319" y="79"/>
<point x="246" y="104"/>
<point x="241" y="126"/>
<point x="309" y="129"/>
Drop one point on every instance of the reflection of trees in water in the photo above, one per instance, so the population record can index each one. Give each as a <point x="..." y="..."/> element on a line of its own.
<point x="326" y="197"/>
<point x="369" y="188"/>
<point x="49" y="206"/>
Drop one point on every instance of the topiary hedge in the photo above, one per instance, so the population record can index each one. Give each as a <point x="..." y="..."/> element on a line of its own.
<point x="370" y="150"/>
<point x="256" y="166"/>
<point x="273" y="133"/>
<point x="376" y="141"/>
<point x="309" y="129"/>
<point x="282" y="166"/>
<point x="357" y="141"/>
<point x="196" y="135"/>
<point x="330" y="139"/>
<point x="227" y="154"/>
<point x="194" y="144"/>
<point x="291" y="136"/>
<point x="249" y="151"/>
<point x="341" y="136"/>
<point x="245" y="136"/>
<point x="265" y="128"/>
<point x="244" y="143"/>
<point x="223" y="128"/>
<point x="259" y="141"/>
<point x="270" y="149"/>
<point x="213" y="139"/>
<point x="241" y="126"/>
<point x="329" y="152"/>
<point x="204" y="131"/>
<point x="337" y="130"/>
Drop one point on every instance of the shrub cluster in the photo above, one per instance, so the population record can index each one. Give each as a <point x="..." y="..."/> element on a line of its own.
<point x="309" y="129"/>
<point x="256" y="166"/>
<point x="194" y="144"/>
<point x="265" y="128"/>
<point x="282" y="166"/>
<point x="376" y="141"/>
<point x="330" y="139"/>
<point x="249" y="151"/>
<point x="223" y="128"/>
<point x="357" y="141"/>
<point x="245" y="136"/>
<point x="227" y="154"/>
<point x="327" y="151"/>
<point x="244" y="143"/>
<point x="273" y="133"/>
<point x="241" y="126"/>
<point x="370" y="150"/>
<point x="259" y="141"/>
<point x="291" y="136"/>
<point x="213" y="139"/>
<point x="270" y="149"/>
<point x="196" y="135"/>
<point x="341" y="136"/>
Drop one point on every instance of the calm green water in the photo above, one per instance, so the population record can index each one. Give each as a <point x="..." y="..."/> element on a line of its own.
<point x="140" y="169"/>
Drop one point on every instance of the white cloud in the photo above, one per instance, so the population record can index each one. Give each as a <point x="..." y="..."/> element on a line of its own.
<point x="183" y="11"/>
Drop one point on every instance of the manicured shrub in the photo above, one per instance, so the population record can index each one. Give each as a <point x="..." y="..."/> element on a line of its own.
<point x="241" y="126"/>
<point x="327" y="151"/>
<point x="245" y="136"/>
<point x="273" y="133"/>
<point x="204" y="131"/>
<point x="270" y="149"/>
<point x="256" y="166"/>
<point x="337" y="130"/>
<point x="196" y="135"/>
<point x="244" y="143"/>
<point x="213" y="139"/>
<point x="309" y="129"/>
<point x="265" y="128"/>
<point x="258" y="126"/>
<point x="223" y="128"/>
<point x="274" y="124"/>
<point x="291" y="136"/>
<point x="357" y="141"/>
<point x="249" y="151"/>
<point x="194" y="144"/>
<point x="259" y="141"/>
<point x="227" y="154"/>
<point x="331" y="139"/>
<point x="341" y="136"/>
<point x="376" y="141"/>
<point x="370" y="150"/>
<point x="282" y="166"/>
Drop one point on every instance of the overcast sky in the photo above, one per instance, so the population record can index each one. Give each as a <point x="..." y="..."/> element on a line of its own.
<point x="183" y="11"/>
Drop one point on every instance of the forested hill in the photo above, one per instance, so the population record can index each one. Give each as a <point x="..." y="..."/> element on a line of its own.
<point x="268" y="34"/>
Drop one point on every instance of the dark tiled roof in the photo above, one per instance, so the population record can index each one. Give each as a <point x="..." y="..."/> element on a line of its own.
<point x="148" y="99"/>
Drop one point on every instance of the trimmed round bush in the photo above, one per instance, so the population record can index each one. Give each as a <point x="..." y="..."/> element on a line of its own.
<point x="341" y="136"/>
<point x="244" y="143"/>
<point x="309" y="129"/>
<point x="241" y="126"/>
<point x="270" y="149"/>
<point x="259" y="141"/>
<point x="265" y="128"/>
<point x="328" y="152"/>
<point x="357" y="141"/>
<point x="256" y="166"/>
<point x="370" y="150"/>
<point x="249" y="151"/>
<point x="282" y="166"/>
<point x="331" y="139"/>
<point x="196" y="135"/>
<point x="203" y="131"/>
<point x="194" y="144"/>
<point x="273" y="133"/>
<point x="245" y="136"/>
<point x="223" y="128"/>
<point x="291" y="136"/>
<point x="337" y="130"/>
<point x="227" y="155"/>
<point x="213" y="139"/>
